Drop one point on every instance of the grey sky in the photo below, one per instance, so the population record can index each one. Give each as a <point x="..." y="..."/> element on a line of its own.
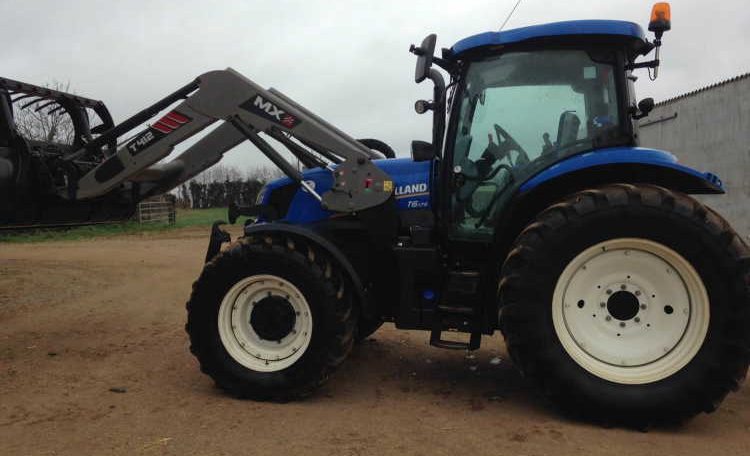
<point x="345" y="60"/>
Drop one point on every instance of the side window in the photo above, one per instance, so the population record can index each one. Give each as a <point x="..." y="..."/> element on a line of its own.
<point x="520" y="112"/>
<point x="527" y="113"/>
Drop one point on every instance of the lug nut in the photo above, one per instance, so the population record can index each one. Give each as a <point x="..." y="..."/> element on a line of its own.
<point x="602" y="305"/>
<point x="637" y="320"/>
<point x="622" y="324"/>
<point x="609" y="291"/>
<point x="622" y="287"/>
<point x="637" y="292"/>
<point x="608" y="318"/>
<point x="643" y="306"/>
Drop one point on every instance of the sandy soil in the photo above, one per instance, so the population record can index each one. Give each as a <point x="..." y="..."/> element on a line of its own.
<point x="78" y="319"/>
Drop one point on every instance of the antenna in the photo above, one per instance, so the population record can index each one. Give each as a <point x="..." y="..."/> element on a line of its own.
<point x="509" y="15"/>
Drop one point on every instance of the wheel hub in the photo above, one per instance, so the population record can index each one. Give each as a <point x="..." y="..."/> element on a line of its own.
<point x="623" y="305"/>
<point x="273" y="318"/>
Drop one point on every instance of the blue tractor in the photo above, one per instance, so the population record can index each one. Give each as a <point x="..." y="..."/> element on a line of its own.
<point x="532" y="211"/>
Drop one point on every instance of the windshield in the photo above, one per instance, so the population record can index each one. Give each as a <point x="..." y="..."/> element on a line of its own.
<point x="522" y="110"/>
<point x="546" y="100"/>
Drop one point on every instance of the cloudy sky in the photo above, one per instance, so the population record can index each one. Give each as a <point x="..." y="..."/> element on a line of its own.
<point x="345" y="60"/>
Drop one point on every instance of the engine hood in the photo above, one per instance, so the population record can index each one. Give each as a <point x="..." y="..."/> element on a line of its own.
<point x="411" y="189"/>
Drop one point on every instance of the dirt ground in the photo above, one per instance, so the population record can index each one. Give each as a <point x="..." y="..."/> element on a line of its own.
<point x="80" y="318"/>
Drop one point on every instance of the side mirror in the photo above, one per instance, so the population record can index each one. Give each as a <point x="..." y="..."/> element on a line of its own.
<point x="422" y="151"/>
<point x="424" y="55"/>
<point x="645" y="106"/>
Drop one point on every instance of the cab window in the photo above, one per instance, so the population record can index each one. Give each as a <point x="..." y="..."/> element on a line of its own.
<point x="519" y="112"/>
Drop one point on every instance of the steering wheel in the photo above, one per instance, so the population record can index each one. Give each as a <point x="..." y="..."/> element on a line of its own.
<point x="506" y="144"/>
<point x="482" y="170"/>
<point x="494" y="153"/>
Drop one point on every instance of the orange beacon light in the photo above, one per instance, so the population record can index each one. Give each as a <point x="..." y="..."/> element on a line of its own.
<point x="661" y="17"/>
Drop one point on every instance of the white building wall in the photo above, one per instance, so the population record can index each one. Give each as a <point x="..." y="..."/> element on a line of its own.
<point x="711" y="132"/>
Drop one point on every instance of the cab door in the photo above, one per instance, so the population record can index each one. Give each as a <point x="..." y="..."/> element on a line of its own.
<point x="515" y="115"/>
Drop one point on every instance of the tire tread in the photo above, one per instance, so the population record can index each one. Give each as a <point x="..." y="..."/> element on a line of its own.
<point x="527" y="342"/>
<point x="322" y="269"/>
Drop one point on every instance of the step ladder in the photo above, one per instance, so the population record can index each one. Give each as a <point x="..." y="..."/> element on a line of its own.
<point x="460" y="309"/>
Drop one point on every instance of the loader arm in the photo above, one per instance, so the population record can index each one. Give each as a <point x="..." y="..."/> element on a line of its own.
<point x="246" y="110"/>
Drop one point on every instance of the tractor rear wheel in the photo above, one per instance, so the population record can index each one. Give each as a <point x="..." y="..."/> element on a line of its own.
<point x="629" y="304"/>
<point x="270" y="319"/>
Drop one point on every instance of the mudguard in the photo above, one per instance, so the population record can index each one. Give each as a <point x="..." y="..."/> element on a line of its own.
<point x="368" y="310"/>
<point x="638" y="163"/>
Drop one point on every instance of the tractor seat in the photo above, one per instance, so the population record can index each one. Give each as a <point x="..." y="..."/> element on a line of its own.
<point x="567" y="129"/>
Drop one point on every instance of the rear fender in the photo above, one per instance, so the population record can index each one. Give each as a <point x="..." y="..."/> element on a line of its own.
<point x="628" y="164"/>
<point x="617" y="165"/>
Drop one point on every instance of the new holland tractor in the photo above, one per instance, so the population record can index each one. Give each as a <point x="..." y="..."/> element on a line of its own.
<point x="532" y="211"/>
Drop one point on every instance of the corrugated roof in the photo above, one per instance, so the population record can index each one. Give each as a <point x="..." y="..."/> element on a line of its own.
<point x="703" y="89"/>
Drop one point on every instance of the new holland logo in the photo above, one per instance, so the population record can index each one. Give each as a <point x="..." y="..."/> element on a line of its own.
<point x="411" y="190"/>
<point x="270" y="111"/>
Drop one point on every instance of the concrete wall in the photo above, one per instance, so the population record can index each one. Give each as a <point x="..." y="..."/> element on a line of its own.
<point x="711" y="132"/>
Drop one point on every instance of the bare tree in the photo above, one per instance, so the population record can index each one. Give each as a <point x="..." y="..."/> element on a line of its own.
<point x="221" y="184"/>
<point x="47" y="124"/>
<point x="224" y="173"/>
<point x="264" y="173"/>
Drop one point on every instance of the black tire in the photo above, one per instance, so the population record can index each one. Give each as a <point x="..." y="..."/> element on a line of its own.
<point x="319" y="281"/>
<point x="378" y="146"/>
<point x="561" y="232"/>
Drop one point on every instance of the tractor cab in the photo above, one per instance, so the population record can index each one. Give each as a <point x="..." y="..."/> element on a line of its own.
<point x="517" y="109"/>
<point x="524" y="99"/>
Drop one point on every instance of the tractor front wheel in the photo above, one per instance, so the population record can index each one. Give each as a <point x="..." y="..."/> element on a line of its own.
<point x="270" y="318"/>
<point x="629" y="304"/>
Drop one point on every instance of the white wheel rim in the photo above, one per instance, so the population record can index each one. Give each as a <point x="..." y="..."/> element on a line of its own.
<point x="609" y="337"/>
<point x="240" y="338"/>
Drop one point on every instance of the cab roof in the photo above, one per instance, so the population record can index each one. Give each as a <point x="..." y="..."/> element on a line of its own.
<point x="614" y="29"/>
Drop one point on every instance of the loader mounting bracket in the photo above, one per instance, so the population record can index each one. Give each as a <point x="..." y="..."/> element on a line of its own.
<point x="218" y="237"/>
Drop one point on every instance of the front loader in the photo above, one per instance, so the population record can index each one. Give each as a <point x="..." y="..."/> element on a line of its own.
<point x="101" y="176"/>
<point x="532" y="211"/>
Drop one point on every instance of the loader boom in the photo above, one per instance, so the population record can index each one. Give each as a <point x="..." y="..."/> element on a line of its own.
<point x="246" y="110"/>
